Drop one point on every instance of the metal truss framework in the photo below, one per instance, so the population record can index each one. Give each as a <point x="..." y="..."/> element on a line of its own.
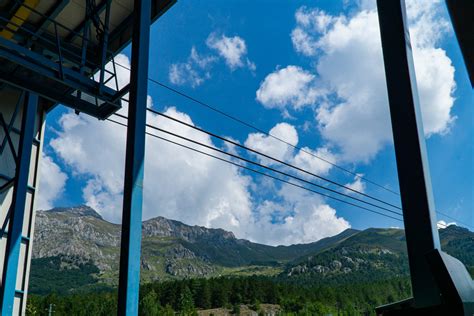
<point x="19" y="217"/>
<point x="35" y="55"/>
<point x="81" y="81"/>
<point x="440" y="283"/>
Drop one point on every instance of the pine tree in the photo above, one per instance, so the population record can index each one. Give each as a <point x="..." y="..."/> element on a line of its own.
<point x="149" y="305"/>
<point x="186" y="303"/>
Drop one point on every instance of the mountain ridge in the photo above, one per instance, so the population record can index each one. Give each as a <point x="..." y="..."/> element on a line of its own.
<point x="79" y="240"/>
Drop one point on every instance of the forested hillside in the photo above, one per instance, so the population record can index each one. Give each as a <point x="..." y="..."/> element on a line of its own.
<point x="192" y="269"/>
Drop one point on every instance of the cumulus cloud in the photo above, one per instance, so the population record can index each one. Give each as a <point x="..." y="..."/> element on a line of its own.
<point x="442" y="224"/>
<point x="272" y="146"/>
<point x="305" y="158"/>
<point x="347" y="86"/>
<point x="198" y="67"/>
<point x="290" y="86"/>
<point x="187" y="186"/>
<point x="52" y="182"/>
<point x="193" y="72"/>
<point x="357" y="185"/>
<point x="312" y="160"/>
<point x="360" y="123"/>
<point x="232" y="49"/>
<point x="178" y="184"/>
<point x="299" y="217"/>
<point x="310" y="22"/>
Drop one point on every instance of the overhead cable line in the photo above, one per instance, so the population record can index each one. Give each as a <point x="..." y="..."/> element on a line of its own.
<point x="262" y="173"/>
<point x="254" y="127"/>
<point x="272" y="158"/>
<point x="284" y="181"/>
<point x="264" y="166"/>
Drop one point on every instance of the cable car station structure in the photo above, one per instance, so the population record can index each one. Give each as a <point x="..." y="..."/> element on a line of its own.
<point x="55" y="51"/>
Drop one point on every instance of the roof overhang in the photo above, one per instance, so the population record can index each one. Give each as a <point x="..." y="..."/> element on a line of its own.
<point x="42" y="49"/>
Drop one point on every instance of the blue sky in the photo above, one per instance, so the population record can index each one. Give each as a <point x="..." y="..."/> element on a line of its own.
<point x="311" y="70"/>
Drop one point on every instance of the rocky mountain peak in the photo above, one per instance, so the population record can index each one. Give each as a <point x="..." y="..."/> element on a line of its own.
<point x="163" y="227"/>
<point x="81" y="210"/>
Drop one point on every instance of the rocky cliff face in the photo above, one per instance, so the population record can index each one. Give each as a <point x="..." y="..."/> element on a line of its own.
<point x="162" y="227"/>
<point x="171" y="249"/>
<point x="76" y="232"/>
<point x="81" y="234"/>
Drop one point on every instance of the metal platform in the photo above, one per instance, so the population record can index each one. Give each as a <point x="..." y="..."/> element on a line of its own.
<point x="58" y="49"/>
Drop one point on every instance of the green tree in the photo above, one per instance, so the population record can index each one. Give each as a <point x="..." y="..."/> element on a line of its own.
<point x="149" y="305"/>
<point x="186" y="303"/>
<point x="203" y="296"/>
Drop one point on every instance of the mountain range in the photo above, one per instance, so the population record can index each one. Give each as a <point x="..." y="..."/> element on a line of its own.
<point x="75" y="249"/>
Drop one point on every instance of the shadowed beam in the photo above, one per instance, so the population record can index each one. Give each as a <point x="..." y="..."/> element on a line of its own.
<point x="129" y="276"/>
<point x="17" y="208"/>
<point x="410" y="150"/>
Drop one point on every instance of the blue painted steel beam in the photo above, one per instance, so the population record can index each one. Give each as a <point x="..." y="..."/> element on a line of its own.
<point x="12" y="251"/>
<point x="56" y="96"/>
<point x="42" y="65"/>
<point x="129" y="278"/>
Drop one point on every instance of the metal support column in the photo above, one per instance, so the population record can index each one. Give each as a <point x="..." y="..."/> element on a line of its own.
<point x="129" y="279"/>
<point x="426" y="260"/>
<point x="17" y="208"/>
<point x="413" y="171"/>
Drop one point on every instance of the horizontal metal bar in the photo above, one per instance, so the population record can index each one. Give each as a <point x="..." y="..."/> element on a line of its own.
<point x="7" y="178"/>
<point x="57" y="97"/>
<point x="24" y="239"/>
<point x="48" y="42"/>
<point x="6" y="186"/>
<point x="19" y="292"/>
<point x="36" y="141"/>
<point x="36" y="62"/>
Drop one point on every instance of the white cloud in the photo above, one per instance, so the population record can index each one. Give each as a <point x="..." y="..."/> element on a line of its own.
<point x="232" y="49"/>
<point x="303" y="42"/>
<point x="442" y="224"/>
<point x="310" y="22"/>
<point x="193" y="72"/>
<point x="301" y="217"/>
<point x="198" y="68"/>
<point x="52" y="182"/>
<point x="353" y="110"/>
<point x="271" y="146"/>
<point x="357" y="185"/>
<point x="178" y="184"/>
<point x="187" y="186"/>
<point x="291" y="86"/>
<point x="307" y="159"/>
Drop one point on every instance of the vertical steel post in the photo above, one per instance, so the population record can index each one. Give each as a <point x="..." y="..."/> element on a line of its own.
<point x="104" y="46"/>
<point x="17" y="208"/>
<point x="129" y="279"/>
<point x="413" y="170"/>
